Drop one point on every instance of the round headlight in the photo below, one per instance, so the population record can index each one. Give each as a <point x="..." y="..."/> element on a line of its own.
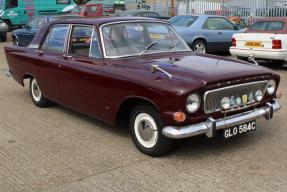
<point x="271" y="86"/>
<point x="225" y="103"/>
<point x="192" y="103"/>
<point x="258" y="95"/>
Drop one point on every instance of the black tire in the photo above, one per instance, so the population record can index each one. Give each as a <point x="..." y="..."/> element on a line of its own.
<point x="162" y="144"/>
<point x="39" y="100"/>
<point x="197" y="44"/>
<point x="3" y="36"/>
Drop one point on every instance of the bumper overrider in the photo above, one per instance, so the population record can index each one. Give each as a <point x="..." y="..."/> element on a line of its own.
<point x="210" y="126"/>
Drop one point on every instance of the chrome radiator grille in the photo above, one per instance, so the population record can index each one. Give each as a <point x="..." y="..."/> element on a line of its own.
<point x="212" y="98"/>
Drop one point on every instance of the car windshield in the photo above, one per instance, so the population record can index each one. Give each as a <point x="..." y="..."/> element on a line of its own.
<point x="267" y="26"/>
<point x="182" y="21"/>
<point x="138" y="38"/>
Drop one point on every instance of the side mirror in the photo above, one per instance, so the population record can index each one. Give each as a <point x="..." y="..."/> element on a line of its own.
<point x="236" y="26"/>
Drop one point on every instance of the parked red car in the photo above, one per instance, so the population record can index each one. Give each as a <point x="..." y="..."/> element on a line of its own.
<point x="92" y="10"/>
<point x="140" y="72"/>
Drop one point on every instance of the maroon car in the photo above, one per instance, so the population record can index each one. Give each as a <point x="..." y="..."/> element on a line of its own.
<point x="139" y="72"/>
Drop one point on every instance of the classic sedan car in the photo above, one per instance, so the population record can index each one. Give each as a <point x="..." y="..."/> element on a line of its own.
<point x="265" y="39"/>
<point x="124" y="73"/>
<point x="205" y="33"/>
<point x="23" y="37"/>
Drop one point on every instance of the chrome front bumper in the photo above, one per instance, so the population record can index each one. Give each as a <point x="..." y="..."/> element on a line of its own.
<point x="212" y="125"/>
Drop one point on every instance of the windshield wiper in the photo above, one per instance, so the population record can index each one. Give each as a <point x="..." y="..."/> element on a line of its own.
<point x="148" y="47"/>
<point x="174" y="45"/>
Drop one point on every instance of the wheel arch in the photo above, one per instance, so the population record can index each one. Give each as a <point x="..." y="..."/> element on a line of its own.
<point x="126" y="106"/>
<point x="26" y="76"/>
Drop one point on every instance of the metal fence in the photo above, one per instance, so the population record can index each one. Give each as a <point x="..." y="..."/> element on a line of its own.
<point x="240" y="8"/>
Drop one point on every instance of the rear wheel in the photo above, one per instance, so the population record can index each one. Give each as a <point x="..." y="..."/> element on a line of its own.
<point x="146" y="129"/>
<point x="3" y="36"/>
<point x="37" y="96"/>
<point x="199" y="46"/>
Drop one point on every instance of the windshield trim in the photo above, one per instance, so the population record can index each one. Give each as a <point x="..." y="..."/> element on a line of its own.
<point x="138" y="54"/>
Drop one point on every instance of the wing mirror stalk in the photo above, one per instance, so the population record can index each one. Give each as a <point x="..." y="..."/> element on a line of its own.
<point x="39" y="51"/>
<point x="252" y="58"/>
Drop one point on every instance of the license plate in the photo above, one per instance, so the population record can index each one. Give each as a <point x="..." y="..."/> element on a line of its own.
<point x="239" y="129"/>
<point x="253" y="44"/>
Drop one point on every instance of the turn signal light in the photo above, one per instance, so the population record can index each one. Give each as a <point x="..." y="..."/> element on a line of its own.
<point x="179" y="116"/>
<point x="276" y="44"/>
<point x="233" y="42"/>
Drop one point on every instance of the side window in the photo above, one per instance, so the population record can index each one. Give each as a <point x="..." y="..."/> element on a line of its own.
<point x="41" y="22"/>
<point x="81" y="40"/>
<point x="56" y="39"/>
<point x="216" y="23"/>
<point x="32" y="22"/>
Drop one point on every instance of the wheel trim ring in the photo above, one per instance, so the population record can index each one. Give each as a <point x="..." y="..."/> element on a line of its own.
<point x="34" y="89"/>
<point x="199" y="48"/>
<point x="145" y="117"/>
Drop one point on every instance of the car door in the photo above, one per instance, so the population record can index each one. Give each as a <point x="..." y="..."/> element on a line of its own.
<point x="218" y="32"/>
<point x="80" y="74"/>
<point x="47" y="61"/>
<point x="227" y="29"/>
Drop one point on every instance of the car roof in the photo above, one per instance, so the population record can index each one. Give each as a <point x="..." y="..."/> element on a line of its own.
<point x="284" y="19"/>
<point x="102" y="20"/>
<point x="201" y="16"/>
<point x="131" y="11"/>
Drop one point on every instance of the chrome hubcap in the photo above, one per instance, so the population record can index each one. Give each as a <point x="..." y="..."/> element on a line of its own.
<point x="146" y="130"/>
<point x="199" y="48"/>
<point x="36" y="92"/>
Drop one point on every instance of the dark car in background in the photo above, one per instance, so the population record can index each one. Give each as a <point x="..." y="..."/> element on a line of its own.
<point x="141" y="13"/>
<point x="23" y="37"/>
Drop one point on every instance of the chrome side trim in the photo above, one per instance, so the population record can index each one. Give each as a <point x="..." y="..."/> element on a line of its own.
<point x="210" y="126"/>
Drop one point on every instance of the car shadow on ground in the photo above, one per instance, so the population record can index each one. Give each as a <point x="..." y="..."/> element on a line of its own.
<point x="191" y="147"/>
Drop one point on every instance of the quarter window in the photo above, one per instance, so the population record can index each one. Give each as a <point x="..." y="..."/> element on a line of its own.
<point x="217" y="23"/>
<point x="56" y="39"/>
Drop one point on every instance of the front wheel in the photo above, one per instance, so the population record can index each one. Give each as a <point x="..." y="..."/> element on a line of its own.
<point x="37" y="96"/>
<point x="146" y="129"/>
